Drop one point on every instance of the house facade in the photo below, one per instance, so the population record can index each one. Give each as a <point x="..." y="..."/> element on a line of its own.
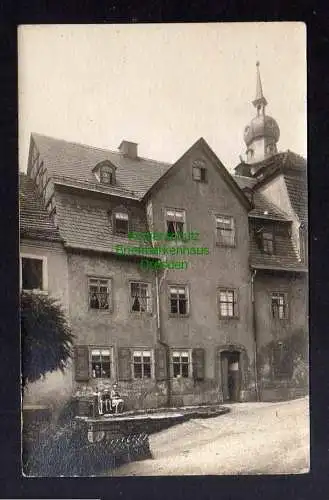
<point x="182" y="283"/>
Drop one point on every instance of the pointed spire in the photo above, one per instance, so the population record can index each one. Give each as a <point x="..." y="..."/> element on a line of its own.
<point x="259" y="101"/>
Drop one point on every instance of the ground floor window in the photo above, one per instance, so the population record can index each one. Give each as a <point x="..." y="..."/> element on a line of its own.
<point x="142" y="364"/>
<point x="101" y="363"/>
<point x="181" y="364"/>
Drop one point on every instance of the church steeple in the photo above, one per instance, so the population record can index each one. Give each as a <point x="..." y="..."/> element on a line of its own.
<point x="259" y="102"/>
<point x="262" y="134"/>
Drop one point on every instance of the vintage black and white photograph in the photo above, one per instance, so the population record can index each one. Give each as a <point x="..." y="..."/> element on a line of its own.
<point x="163" y="249"/>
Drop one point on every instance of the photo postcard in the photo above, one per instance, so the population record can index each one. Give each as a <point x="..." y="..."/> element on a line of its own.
<point x="163" y="249"/>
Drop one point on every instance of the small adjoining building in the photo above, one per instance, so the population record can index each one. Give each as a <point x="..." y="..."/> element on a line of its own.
<point x="227" y="326"/>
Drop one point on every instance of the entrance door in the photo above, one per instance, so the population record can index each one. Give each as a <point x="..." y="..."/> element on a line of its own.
<point x="230" y="371"/>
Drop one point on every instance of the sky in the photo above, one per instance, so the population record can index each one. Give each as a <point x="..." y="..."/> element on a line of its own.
<point x="161" y="85"/>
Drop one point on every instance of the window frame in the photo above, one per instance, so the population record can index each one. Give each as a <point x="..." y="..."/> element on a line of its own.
<point x="109" y="170"/>
<point x="114" y="223"/>
<point x="110" y="292"/>
<point x="149" y="298"/>
<point x="44" y="260"/>
<point x="235" y="302"/>
<point x="134" y="350"/>
<point x="283" y="294"/>
<point x="190" y="364"/>
<point x="272" y="233"/>
<point x="188" y="301"/>
<point x="232" y="231"/>
<point x="203" y="178"/>
<point x="112" y="366"/>
<point x="168" y="218"/>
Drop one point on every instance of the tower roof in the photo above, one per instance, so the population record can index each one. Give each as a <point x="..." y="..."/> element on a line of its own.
<point x="259" y="99"/>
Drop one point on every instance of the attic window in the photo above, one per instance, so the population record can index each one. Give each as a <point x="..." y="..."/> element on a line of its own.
<point x="199" y="171"/>
<point x="106" y="174"/>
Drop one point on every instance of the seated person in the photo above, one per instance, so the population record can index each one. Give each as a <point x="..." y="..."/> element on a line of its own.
<point x="104" y="401"/>
<point x="106" y="397"/>
<point x="116" y="400"/>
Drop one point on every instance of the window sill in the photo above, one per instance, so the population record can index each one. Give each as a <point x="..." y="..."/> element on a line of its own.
<point x="228" y="318"/>
<point x="137" y="314"/>
<point x="224" y="245"/>
<point x="172" y="315"/>
<point x="35" y="291"/>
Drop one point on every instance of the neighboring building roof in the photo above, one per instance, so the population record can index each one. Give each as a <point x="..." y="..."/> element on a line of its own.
<point x="262" y="207"/>
<point x="245" y="182"/>
<point x="35" y="221"/>
<point x="283" y="160"/>
<point x="297" y="191"/>
<point x="285" y="257"/>
<point x="76" y="161"/>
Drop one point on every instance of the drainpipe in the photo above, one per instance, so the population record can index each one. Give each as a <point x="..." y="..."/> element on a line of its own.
<point x="159" y="336"/>
<point x="253" y="276"/>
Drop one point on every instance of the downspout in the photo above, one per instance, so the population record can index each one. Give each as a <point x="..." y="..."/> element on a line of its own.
<point x="254" y="322"/>
<point x="159" y="337"/>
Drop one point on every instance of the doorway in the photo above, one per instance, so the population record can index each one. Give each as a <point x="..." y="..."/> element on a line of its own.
<point x="231" y="375"/>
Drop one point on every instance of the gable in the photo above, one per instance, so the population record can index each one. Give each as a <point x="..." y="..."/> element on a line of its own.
<point x="200" y="153"/>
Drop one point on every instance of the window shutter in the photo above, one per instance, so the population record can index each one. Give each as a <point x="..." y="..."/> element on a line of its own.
<point x="124" y="359"/>
<point x="198" y="363"/>
<point x="160" y="363"/>
<point x="81" y="363"/>
<point x="236" y="303"/>
<point x="286" y="306"/>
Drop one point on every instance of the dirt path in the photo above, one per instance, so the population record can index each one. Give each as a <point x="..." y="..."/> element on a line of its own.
<point x="254" y="438"/>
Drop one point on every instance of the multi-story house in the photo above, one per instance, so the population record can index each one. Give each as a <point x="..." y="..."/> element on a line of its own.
<point x="200" y="311"/>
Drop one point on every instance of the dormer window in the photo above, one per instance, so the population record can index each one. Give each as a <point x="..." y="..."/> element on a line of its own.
<point x="120" y="223"/>
<point x="268" y="242"/>
<point x="105" y="173"/>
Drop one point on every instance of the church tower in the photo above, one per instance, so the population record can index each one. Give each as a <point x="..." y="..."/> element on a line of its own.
<point x="262" y="134"/>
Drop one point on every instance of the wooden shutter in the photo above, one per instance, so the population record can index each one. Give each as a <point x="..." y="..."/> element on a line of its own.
<point x="124" y="361"/>
<point x="160" y="363"/>
<point x="198" y="363"/>
<point x="81" y="363"/>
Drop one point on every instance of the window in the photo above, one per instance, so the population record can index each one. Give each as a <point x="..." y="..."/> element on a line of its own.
<point x="33" y="273"/>
<point x="121" y="223"/>
<point x="99" y="293"/>
<point x="140" y="294"/>
<point x="175" y="220"/>
<point x="106" y="175"/>
<point x="101" y="363"/>
<point x="225" y="231"/>
<point x="279" y="305"/>
<point x="181" y="364"/>
<point x="142" y="364"/>
<point x="268" y="242"/>
<point x="227" y="304"/>
<point x="199" y="173"/>
<point x="178" y="298"/>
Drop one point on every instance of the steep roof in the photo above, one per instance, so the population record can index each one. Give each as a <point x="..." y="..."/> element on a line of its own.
<point x="35" y="221"/>
<point x="297" y="191"/>
<point x="262" y="206"/>
<point x="226" y="176"/>
<point x="76" y="161"/>
<point x="89" y="226"/>
<point x="285" y="257"/>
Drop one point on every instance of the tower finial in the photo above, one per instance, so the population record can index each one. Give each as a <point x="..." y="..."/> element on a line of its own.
<point x="259" y="102"/>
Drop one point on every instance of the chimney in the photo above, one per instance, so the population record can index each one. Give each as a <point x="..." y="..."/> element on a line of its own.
<point x="129" y="149"/>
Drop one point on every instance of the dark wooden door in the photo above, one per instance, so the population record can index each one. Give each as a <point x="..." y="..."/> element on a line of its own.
<point x="231" y="375"/>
